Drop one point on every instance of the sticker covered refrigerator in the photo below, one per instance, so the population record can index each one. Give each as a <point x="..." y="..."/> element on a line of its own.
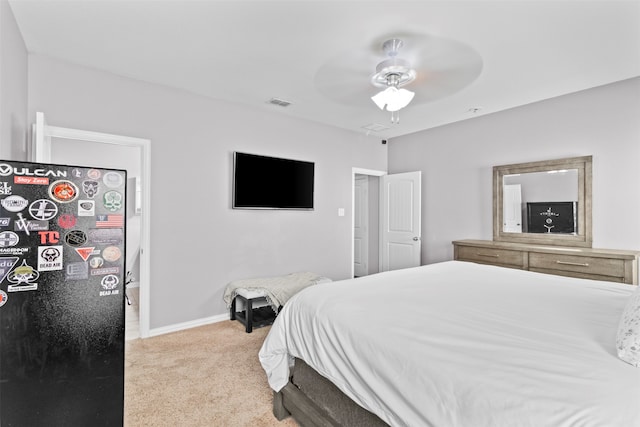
<point x="62" y="285"/>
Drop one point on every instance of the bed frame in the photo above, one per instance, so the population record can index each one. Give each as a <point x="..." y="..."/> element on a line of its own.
<point x="313" y="401"/>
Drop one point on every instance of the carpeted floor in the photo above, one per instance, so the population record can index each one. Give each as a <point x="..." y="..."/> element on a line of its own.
<point x="206" y="376"/>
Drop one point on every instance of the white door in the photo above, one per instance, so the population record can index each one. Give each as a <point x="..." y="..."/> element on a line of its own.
<point x="361" y="226"/>
<point x="400" y="220"/>
<point x="512" y="213"/>
<point x="44" y="150"/>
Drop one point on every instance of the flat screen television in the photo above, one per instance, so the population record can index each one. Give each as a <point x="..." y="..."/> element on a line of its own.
<point x="262" y="182"/>
<point x="551" y="217"/>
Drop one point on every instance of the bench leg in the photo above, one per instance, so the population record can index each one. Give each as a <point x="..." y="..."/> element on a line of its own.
<point x="249" y="308"/>
<point x="232" y="310"/>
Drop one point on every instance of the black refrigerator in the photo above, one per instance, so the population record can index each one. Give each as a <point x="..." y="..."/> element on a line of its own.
<point x="62" y="295"/>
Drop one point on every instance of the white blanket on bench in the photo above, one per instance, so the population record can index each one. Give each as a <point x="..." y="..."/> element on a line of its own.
<point x="277" y="290"/>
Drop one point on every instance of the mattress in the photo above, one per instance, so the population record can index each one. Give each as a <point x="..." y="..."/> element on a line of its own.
<point x="463" y="344"/>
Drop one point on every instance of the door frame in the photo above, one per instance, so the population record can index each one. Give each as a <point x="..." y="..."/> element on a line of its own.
<point x="41" y="152"/>
<point x="354" y="172"/>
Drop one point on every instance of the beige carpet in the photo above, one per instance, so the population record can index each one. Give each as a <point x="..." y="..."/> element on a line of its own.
<point x="206" y="376"/>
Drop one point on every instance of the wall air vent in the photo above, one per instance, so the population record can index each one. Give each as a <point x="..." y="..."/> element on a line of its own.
<point x="279" y="102"/>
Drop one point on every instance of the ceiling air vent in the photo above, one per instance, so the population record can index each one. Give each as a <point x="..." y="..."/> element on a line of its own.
<point x="375" y="127"/>
<point x="279" y="102"/>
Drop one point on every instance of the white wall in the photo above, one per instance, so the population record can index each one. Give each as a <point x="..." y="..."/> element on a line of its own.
<point x="456" y="163"/>
<point x="198" y="242"/>
<point x="13" y="88"/>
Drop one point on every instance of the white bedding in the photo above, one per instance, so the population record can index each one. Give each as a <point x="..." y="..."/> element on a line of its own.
<point x="463" y="344"/>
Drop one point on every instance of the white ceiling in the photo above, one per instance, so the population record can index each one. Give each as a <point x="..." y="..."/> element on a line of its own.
<point x="250" y="51"/>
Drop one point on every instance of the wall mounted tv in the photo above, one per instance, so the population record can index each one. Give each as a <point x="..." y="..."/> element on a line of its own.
<point x="262" y="182"/>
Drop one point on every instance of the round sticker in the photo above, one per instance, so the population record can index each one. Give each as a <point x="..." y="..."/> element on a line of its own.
<point x="43" y="209"/>
<point x="3" y="297"/>
<point x="93" y="174"/>
<point x="112" y="179"/>
<point x="75" y="238"/>
<point x="63" y="191"/>
<point x="111" y="253"/>
<point x="8" y="238"/>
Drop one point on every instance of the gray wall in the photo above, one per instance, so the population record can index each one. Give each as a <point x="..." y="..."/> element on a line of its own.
<point x="13" y="88"/>
<point x="198" y="242"/>
<point x="456" y="163"/>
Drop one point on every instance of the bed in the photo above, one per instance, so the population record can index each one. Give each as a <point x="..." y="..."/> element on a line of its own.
<point x="453" y="344"/>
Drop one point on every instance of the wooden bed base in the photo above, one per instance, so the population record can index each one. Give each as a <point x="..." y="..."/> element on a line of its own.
<point x="313" y="401"/>
<point x="290" y="401"/>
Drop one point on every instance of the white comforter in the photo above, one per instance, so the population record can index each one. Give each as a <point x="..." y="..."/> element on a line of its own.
<point x="462" y="344"/>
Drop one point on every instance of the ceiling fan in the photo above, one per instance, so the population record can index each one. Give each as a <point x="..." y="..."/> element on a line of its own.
<point x="430" y="67"/>
<point x="392" y="74"/>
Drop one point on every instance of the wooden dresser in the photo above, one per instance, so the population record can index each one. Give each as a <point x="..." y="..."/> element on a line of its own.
<point x="587" y="263"/>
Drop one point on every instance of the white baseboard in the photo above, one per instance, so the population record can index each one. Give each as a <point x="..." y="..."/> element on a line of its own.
<point x="187" y="325"/>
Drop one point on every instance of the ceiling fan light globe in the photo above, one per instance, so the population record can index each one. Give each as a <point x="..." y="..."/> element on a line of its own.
<point x="381" y="98"/>
<point x="393" y="98"/>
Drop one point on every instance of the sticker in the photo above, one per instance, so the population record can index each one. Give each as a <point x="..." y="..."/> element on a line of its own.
<point x="49" y="258"/>
<point x="3" y="298"/>
<point x="106" y="236"/>
<point x="90" y="188"/>
<point x="96" y="262"/>
<point x="6" y="264"/>
<point x="63" y="191"/>
<point x="5" y="189"/>
<point x="76" y="271"/>
<point x="111" y="253"/>
<point x="76" y="173"/>
<point x="66" y="221"/>
<point x="109" y="282"/>
<point x="27" y="225"/>
<point x="103" y="271"/>
<point x="8" y="238"/>
<point x="93" y="173"/>
<point x="14" y="251"/>
<point x="43" y="210"/>
<point x="14" y="203"/>
<point x="35" y="180"/>
<point x="76" y="238"/>
<point x="113" y="179"/>
<point x="47" y="237"/>
<point x="110" y="221"/>
<point x="86" y="208"/>
<point x="85" y="253"/>
<point x="4" y="222"/>
<point x="23" y="278"/>
<point x="6" y="170"/>
<point x="112" y="201"/>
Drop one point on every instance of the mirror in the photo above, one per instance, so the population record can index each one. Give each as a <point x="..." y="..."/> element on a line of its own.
<point x="546" y="202"/>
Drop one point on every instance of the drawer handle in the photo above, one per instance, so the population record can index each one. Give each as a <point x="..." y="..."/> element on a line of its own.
<point x="488" y="255"/>
<point x="579" y="264"/>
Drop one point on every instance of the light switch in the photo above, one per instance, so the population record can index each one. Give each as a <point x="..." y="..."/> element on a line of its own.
<point x="340" y="211"/>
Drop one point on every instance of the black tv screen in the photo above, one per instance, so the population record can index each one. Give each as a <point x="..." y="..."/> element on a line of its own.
<point x="262" y="182"/>
<point x="551" y="217"/>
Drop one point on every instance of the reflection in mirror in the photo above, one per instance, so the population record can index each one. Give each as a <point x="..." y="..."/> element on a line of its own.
<point x="546" y="202"/>
<point x="541" y="202"/>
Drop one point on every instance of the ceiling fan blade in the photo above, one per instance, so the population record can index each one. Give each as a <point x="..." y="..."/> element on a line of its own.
<point x="443" y="67"/>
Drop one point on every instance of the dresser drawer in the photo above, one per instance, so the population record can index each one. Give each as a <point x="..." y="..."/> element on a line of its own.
<point x="494" y="256"/>
<point x="604" y="268"/>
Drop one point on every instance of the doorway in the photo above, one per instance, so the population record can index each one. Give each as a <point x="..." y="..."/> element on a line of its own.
<point x="366" y="192"/>
<point x="366" y="228"/>
<point x="71" y="146"/>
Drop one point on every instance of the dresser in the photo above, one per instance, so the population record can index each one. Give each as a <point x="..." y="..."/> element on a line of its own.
<point x="586" y="263"/>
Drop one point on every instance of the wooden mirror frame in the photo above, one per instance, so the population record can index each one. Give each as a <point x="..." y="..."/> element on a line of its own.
<point x="583" y="238"/>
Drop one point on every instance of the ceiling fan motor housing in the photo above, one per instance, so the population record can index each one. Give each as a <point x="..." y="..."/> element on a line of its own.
<point x="394" y="71"/>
